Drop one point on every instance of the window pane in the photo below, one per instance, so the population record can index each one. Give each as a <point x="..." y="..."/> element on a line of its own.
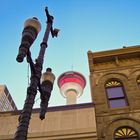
<point x="115" y="92"/>
<point x="117" y="103"/>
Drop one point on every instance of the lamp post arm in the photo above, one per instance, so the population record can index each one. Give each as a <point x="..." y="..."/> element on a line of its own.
<point x="49" y="26"/>
<point x="43" y="46"/>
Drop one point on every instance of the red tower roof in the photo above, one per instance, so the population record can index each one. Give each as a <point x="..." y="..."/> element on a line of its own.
<point x="71" y="76"/>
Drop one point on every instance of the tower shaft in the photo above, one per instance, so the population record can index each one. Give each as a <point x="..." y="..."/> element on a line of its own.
<point x="71" y="97"/>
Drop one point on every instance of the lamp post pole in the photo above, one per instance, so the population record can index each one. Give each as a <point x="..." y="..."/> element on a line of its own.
<point x="31" y="29"/>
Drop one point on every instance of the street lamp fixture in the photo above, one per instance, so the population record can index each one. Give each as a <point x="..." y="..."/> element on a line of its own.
<point x="47" y="81"/>
<point x="31" y="29"/>
<point x="43" y="83"/>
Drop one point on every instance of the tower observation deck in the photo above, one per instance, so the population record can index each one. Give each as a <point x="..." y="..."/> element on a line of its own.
<point x="71" y="85"/>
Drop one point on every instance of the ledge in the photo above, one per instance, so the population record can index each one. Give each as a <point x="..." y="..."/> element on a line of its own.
<point x="53" y="109"/>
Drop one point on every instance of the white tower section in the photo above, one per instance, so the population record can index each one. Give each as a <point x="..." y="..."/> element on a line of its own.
<point x="71" y="85"/>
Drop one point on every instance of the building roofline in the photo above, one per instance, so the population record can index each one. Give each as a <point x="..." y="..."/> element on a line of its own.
<point x="113" y="55"/>
<point x="124" y="50"/>
<point x="54" y="108"/>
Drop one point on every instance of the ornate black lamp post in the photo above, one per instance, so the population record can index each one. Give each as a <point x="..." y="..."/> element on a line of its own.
<point x="29" y="34"/>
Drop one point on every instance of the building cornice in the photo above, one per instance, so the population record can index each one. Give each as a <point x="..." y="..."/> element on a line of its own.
<point x="52" y="109"/>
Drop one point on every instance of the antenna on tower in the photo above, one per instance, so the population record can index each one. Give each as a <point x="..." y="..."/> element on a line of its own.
<point x="72" y="67"/>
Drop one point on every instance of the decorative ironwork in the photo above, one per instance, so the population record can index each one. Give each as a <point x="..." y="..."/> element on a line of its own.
<point x="125" y="132"/>
<point x="112" y="83"/>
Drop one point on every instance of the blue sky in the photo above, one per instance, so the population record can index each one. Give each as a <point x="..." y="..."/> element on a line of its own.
<point x="94" y="25"/>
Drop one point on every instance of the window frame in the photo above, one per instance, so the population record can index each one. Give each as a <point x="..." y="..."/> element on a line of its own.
<point x="117" y="84"/>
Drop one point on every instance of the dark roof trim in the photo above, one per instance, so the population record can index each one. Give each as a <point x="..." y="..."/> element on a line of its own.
<point x="56" y="108"/>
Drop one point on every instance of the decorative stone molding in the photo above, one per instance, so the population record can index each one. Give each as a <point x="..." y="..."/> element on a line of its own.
<point x="107" y="76"/>
<point x="108" y="130"/>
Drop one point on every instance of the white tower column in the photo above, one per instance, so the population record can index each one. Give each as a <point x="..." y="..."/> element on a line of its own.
<point x="71" y="97"/>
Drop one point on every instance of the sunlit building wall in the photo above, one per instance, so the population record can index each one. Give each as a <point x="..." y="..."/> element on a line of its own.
<point x="115" y="80"/>
<point x="6" y="101"/>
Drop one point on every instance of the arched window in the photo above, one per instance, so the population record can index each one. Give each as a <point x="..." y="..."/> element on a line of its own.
<point x="115" y="94"/>
<point x="138" y="82"/>
<point x="125" y="133"/>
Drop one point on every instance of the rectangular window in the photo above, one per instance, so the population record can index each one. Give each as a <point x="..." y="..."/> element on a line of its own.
<point x="116" y="97"/>
<point x="117" y="103"/>
<point x="115" y="92"/>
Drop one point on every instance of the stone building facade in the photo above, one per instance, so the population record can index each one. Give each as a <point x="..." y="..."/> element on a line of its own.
<point x="71" y="122"/>
<point x="115" y="87"/>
